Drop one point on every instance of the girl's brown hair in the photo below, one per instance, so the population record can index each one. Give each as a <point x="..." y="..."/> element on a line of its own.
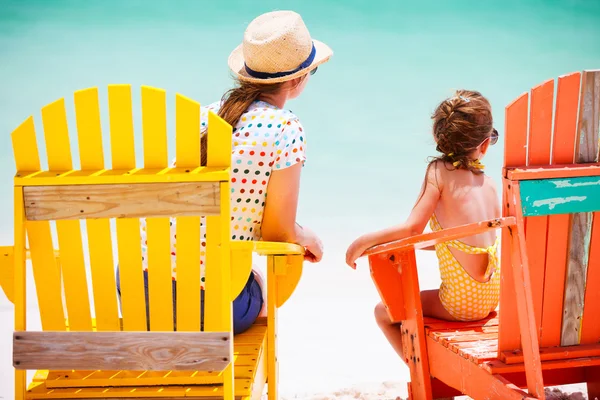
<point x="235" y="103"/>
<point x="460" y="124"/>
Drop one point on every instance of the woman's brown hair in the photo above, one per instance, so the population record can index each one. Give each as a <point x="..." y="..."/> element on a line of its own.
<point x="235" y="103"/>
<point x="460" y="124"/>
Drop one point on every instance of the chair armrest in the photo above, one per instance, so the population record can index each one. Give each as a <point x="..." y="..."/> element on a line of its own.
<point x="268" y="248"/>
<point x="429" y="239"/>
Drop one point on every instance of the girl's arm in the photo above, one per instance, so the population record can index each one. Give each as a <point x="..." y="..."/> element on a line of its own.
<point x="279" y="218"/>
<point x="414" y="225"/>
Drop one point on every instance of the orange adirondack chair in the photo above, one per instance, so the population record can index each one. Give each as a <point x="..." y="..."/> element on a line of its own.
<point x="545" y="332"/>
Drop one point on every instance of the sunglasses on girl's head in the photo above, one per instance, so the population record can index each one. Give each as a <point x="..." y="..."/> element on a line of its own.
<point x="314" y="71"/>
<point x="494" y="137"/>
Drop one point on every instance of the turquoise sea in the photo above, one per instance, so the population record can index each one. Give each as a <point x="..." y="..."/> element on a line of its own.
<point x="366" y="114"/>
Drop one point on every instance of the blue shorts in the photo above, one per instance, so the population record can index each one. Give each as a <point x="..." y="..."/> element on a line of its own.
<point x="246" y="307"/>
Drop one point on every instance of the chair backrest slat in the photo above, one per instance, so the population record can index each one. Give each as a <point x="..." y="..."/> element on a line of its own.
<point x="515" y="154"/>
<point x="122" y="147"/>
<point x="58" y="150"/>
<point x="190" y="245"/>
<point x="582" y="224"/>
<point x="154" y="127"/>
<point x="160" y="285"/>
<point x="91" y="156"/>
<point x="538" y="147"/>
<point x="563" y="150"/>
<point x="133" y="301"/>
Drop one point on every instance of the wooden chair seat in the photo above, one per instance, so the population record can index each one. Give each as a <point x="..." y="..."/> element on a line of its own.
<point x="249" y="369"/>
<point x="476" y="341"/>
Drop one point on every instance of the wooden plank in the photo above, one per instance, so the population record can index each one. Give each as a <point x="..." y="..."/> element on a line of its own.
<point x="219" y="141"/>
<point x="272" y="330"/>
<point x="25" y="147"/>
<point x="132" y="280"/>
<point x="468" y="377"/>
<point x="590" y="328"/>
<point x="87" y="111"/>
<point x="187" y="120"/>
<point x="121" y="127"/>
<point x="91" y="156"/>
<point x="553" y="171"/>
<point x="20" y="281"/>
<point x="561" y="196"/>
<point x="525" y="311"/>
<point x="121" y="201"/>
<point x="154" y="126"/>
<point x="555" y="353"/>
<point x="581" y="224"/>
<point x="160" y="283"/>
<point x="565" y="124"/>
<point x="498" y="367"/>
<point x="413" y="329"/>
<point x="58" y="147"/>
<point x="103" y="274"/>
<point x="515" y="154"/>
<point x="429" y="239"/>
<point x="115" y="177"/>
<point x="195" y="351"/>
<point x="74" y="276"/>
<point x="45" y="274"/>
<point x="388" y="282"/>
<point x="188" y="273"/>
<point x="515" y="140"/>
<point x="69" y="232"/>
<point x="540" y="139"/>
<point x="200" y="392"/>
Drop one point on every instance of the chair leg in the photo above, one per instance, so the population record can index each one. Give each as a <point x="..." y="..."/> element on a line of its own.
<point x="592" y="377"/>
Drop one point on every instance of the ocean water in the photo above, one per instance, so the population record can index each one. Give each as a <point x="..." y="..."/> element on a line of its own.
<point x="366" y="114"/>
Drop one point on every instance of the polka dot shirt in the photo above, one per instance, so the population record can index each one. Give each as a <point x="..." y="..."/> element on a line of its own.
<point x="265" y="139"/>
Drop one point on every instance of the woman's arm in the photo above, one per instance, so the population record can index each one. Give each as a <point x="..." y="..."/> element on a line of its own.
<point x="279" y="218"/>
<point x="414" y="225"/>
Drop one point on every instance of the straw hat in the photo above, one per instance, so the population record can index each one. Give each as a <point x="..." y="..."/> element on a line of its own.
<point x="277" y="47"/>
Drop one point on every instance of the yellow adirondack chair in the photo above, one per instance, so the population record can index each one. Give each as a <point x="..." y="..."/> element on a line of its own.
<point x="91" y="352"/>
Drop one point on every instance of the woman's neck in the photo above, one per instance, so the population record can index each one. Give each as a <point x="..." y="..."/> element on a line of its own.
<point x="276" y="99"/>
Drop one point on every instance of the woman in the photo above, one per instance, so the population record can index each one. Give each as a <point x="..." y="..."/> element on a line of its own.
<point x="273" y="65"/>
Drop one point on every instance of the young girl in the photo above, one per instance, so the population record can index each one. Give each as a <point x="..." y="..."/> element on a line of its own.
<point x="455" y="192"/>
<point x="272" y="65"/>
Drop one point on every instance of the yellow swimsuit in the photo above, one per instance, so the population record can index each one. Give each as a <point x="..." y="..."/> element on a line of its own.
<point x="465" y="298"/>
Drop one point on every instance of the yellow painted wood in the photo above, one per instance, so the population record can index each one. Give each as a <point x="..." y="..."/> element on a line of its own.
<point x="154" y="125"/>
<point x="188" y="273"/>
<point x="74" y="278"/>
<point x="213" y="308"/>
<point x="241" y="268"/>
<point x="268" y="248"/>
<point x="188" y="132"/>
<point x="7" y="272"/>
<point x="288" y="281"/>
<point x="219" y="141"/>
<point x="89" y="132"/>
<point x="103" y="274"/>
<point x="121" y="127"/>
<point x="108" y="177"/>
<point x="272" y="366"/>
<point x="37" y="390"/>
<point x="25" y="147"/>
<point x="227" y="298"/>
<point x="45" y="273"/>
<point x="160" y="284"/>
<point x="18" y="257"/>
<point x="133" y="300"/>
<point x="58" y="147"/>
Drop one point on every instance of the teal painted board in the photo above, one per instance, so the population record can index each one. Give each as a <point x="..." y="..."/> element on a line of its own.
<point x="560" y="196"/>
